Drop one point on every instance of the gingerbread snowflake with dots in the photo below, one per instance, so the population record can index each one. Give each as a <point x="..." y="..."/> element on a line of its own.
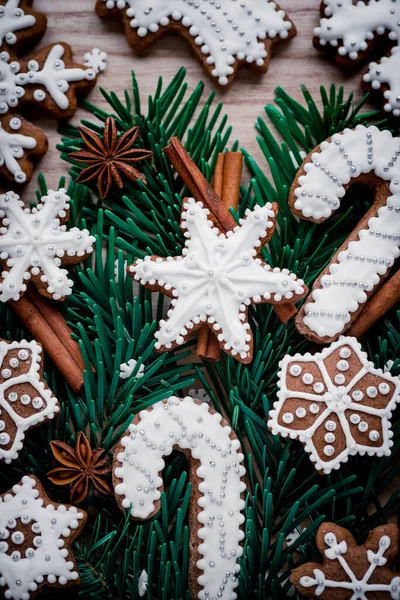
<point x="35" y="242"/>
<point x="25" y="399"/>
<point x="336" y="403"/>
<point x="35" y="539"/>
<point x="349" y="571"/>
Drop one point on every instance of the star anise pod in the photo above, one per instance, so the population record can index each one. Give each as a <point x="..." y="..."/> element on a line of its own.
<point x="110" y="159"/>
<point x="80" y="467"/>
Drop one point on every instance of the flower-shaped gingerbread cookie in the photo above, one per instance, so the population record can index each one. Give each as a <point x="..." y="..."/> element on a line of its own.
<point x="349" y="571"/>
<point x="25" y="399"/>
<point x="336" y="403"/>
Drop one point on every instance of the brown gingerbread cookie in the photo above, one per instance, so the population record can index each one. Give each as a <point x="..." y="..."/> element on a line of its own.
<point x="36" y="535"/>
<point x="21" y="143"/>
<point x="20" y="25"/>
<point x="364" y="155"/>
<point x="216" y="473"/>
<point x="35" y="245"/>
<point x="350" y="571"/>
<point x="353" y="32"/>
<point x="223" y="35"/>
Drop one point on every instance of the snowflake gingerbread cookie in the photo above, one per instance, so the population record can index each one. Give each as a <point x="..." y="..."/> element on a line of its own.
<point x="216" y="470"/>
<point x="25" y="399"/>
<point x="19" y="142"/>
<point x="349" y="571"/>
<point x="216" y="278"/>
<point x="35" y="541"/>
<point x="20" y="25"/>
<point x="355" y="30"/>
<point x="34" y="243"/>
<point x="336" y="404"/>
<point x="223" y="34"/>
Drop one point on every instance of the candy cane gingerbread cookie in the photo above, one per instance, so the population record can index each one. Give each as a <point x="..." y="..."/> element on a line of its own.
<point x="354" y="31"/>
<point x="216" y="473"/>
<point x="364" y="155"/>
<point x="223" y="34"/>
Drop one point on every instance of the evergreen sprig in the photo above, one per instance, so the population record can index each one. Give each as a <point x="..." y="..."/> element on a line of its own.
<point x="114" y="322"/>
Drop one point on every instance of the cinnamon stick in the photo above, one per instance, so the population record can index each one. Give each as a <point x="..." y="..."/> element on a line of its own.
<point x="381" y="302"/>
<point x="43" y="333"/>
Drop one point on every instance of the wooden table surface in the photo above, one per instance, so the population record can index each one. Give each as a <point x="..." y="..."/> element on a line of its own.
<point x="293" y="63"/>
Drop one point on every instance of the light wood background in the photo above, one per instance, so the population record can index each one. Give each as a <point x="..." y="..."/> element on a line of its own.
<point x="293" y="63"/>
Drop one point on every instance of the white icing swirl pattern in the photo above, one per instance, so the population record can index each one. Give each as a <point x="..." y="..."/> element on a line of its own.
<point x="349" y="415"/>
<point x="48" y="559"/>
<point x="34" y="242"/>
<point x="190" y="426"/>
<point x="216" y="279"/>
<point x="351" y="27"/>
<point x="361" y="265"/>
<point x="362" y="589"/>
<point x="225" y="30"/>
<point x="54" y="76"/>
<point x="12" y="19"/>
<point x="12" y="146"/>
<point x="42" y="402"/>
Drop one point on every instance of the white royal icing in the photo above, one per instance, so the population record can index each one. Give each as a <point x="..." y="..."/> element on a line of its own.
<point x="43" y="402"/>
<point x="344" y="403"/>
<point x="216" y="278"/>
<point x="362" y="264"/>
<point x="12" y="19"/>
<point x="12" y="146"/>
<point x="200" y="394"/>
<point x="33" y="242"/>
<point x="387" y="72"/>
<point x="21" y="572"/>
<point x="351" y="27"/>
<point x="126" y="369"/>
<point x="54" y="76"/>
<point x="225" y="30"/>
<point x="190" y="426"/>
<point x="96" y="59"/>
<point x="142" y="583"/>
<point x="362" y="589"/>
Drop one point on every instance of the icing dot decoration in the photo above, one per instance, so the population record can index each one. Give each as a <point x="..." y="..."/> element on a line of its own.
<point x="348" y="570"/>
<point x="19" y="407"/>
<point x="20" y="577"/>
<point x="220" y="484"/>
<point x="357" y="268"/>
<point x="343" y="411"/>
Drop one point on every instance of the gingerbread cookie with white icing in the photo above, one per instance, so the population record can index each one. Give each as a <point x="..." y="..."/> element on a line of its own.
<point x="216" y="473"/>
<point x="20" y="25"/>
<point x="350" y="571"/>
<point x="364" y="155"/>
<point x="36" y="535"/>
<point x="336" y="403"/>
<point x="35" y="244"/>
<point x="21" y="143"/>
<point x="25" y="399"/>
<point x="223" y="35"/>
<point x="355" y="31"/>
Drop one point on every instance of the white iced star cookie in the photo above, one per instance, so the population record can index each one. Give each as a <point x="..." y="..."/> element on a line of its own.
<point x="20" y="142"/>
<point x="216" y="278"/>
<point x="368" y="156"/>
<point x="349" y="570"/>
<point x="20" y="25"/>
<point x="223" y="34"/>
<point x="216" y="473"/>
<point x="25" y="399"/>
<point x="50" y="81"/>
<point x="351" y="30"/>
<point x="35" y="541"/>
<point x="35" y="243"/>
<point x="336" y="404"/>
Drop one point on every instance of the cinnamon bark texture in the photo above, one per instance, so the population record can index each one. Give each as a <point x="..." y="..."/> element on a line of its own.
<point x="223" y="194"/>
<point x="49" y="328"/>
<point x="385" y="298"/>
